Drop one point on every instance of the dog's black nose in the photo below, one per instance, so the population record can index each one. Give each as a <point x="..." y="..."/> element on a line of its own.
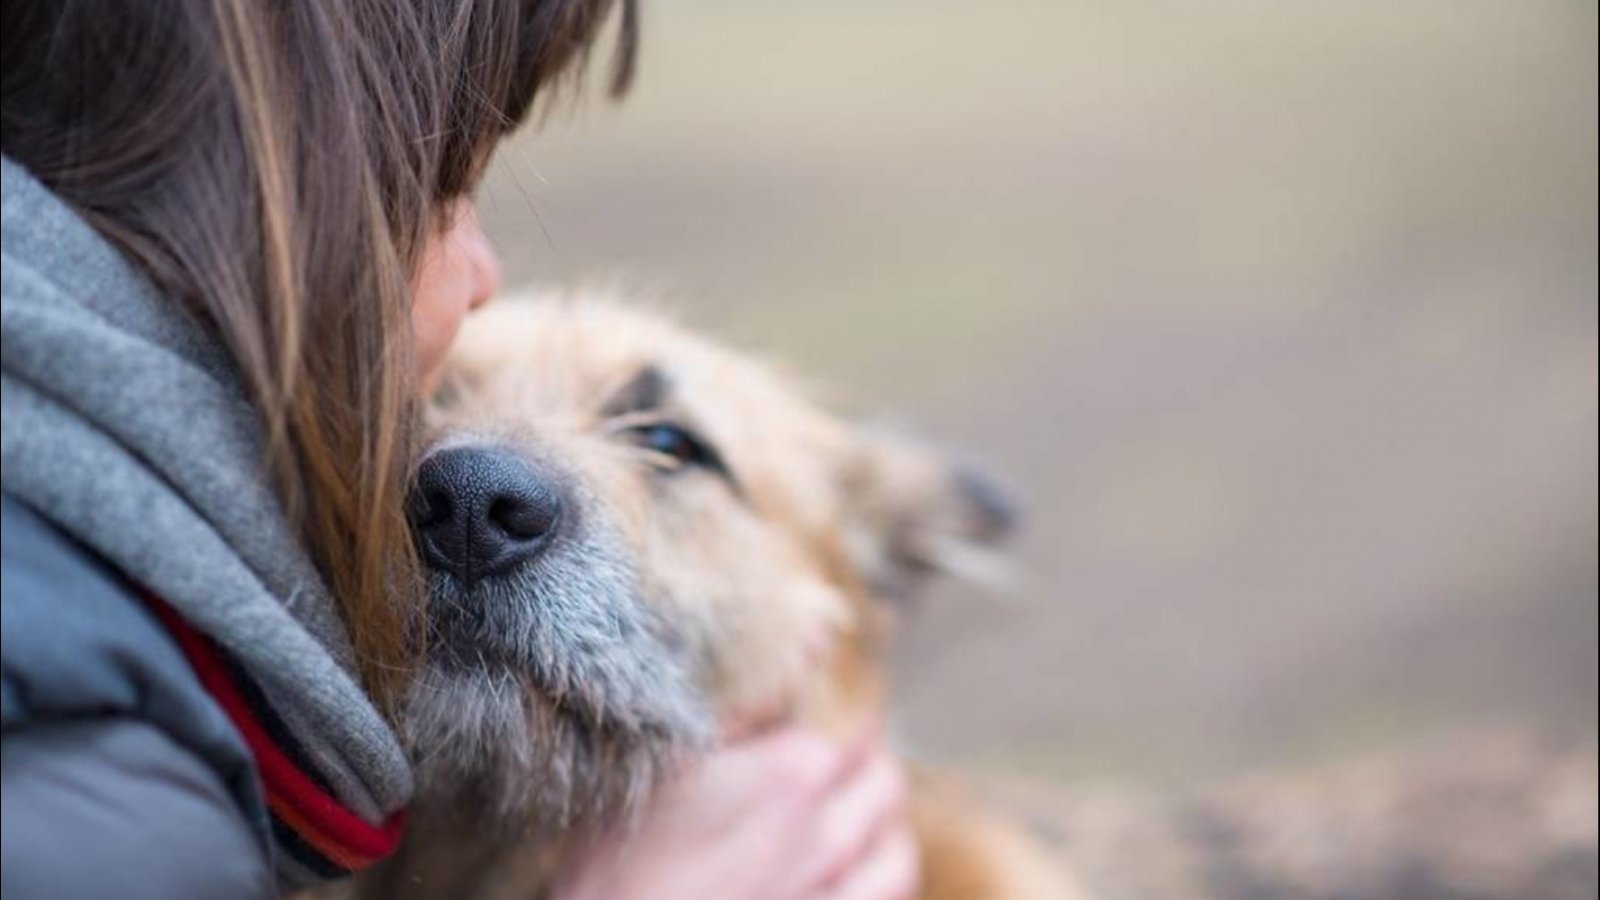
<point x="479" y="512"/>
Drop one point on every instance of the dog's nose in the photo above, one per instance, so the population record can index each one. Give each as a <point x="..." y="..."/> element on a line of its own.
<point x="479" y="512"/>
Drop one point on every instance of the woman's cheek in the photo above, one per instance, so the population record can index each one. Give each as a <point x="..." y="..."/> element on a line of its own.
<point x="434" y="327"/>
<point x="434" y="320"/>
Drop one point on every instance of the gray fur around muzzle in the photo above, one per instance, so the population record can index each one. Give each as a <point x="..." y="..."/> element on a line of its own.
<point x="553" y="696"/>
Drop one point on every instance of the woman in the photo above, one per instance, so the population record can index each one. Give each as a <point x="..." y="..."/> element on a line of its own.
<point x="237" y="239"/>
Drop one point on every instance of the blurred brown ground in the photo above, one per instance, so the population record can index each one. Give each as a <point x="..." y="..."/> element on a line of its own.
<point x="1280" y="317"/>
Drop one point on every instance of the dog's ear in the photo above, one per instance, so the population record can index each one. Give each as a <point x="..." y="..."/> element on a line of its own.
<point x="916" y="512"/>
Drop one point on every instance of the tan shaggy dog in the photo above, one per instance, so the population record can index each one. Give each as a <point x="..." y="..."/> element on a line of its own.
<point x="640" y="539"/>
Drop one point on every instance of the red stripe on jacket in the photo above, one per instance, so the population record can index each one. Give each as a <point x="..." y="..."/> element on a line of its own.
<point x="325" y="824"/>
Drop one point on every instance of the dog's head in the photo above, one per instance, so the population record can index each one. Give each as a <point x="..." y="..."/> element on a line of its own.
<point x="635" y="536"/>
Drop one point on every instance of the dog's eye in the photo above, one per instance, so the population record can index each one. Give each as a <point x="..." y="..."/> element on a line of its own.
<point x="673" y="441"/>
<point x="679" y="444"/>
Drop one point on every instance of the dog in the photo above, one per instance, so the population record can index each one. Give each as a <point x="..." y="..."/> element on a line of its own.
<point x="638" y="539"/>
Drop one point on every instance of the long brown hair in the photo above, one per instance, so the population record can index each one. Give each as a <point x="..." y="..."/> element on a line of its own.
<point x="277" y="165"/>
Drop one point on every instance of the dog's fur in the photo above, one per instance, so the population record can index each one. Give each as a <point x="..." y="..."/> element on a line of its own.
<point x="730" y="557"/>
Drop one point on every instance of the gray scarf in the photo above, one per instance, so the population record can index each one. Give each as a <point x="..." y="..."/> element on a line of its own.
<point x="127" y="426"/>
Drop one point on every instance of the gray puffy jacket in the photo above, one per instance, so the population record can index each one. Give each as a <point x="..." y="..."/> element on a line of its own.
<point x="122" y="777"/>
<point x="131" y="468"/>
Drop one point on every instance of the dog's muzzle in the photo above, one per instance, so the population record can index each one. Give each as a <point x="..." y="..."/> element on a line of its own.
<point x="480" y="512"/>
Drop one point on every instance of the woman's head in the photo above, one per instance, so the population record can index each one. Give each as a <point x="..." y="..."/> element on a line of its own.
<point x="282" y="169"/>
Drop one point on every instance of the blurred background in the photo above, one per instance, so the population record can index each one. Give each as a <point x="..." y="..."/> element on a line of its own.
<point x="1281" y="318"/>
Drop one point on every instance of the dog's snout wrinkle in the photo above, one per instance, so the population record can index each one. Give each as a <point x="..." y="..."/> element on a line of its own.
<point x="480" y="511"/>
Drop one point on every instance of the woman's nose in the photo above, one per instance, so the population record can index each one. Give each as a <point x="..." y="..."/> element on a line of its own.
<point x="485" y="262"/>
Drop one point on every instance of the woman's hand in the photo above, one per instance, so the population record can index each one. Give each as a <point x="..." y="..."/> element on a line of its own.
<point x="787" y="816"/>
